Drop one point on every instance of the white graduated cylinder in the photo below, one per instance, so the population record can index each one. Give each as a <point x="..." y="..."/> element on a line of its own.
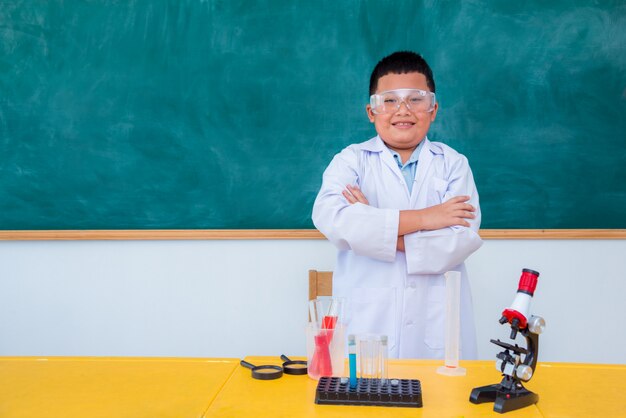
<point x="453" y="318"/>
<point x="453" y="325"/>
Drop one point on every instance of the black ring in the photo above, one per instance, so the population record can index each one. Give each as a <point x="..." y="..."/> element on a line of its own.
<point x="275" y="373"/>
<point x="290" y="367"/>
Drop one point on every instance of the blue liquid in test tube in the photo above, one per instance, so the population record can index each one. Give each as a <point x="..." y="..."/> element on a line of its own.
<point x="352" y="360"/>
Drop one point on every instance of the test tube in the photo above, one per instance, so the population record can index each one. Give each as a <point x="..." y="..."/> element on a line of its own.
<point x="384" y="373"/>
<point x="352" y="360"/>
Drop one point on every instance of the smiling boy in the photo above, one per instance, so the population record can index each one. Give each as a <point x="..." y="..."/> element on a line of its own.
<point x="402" y="211"/>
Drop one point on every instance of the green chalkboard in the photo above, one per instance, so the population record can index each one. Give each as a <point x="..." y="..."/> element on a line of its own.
<point x="131" y="114"/>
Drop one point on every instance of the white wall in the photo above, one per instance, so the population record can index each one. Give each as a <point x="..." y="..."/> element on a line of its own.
<point x="238" y="298"/>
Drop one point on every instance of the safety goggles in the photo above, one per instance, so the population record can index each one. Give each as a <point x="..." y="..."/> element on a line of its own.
<point x="415" y="100"/>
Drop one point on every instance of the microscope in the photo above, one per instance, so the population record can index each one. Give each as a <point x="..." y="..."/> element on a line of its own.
<point x="510" y="394"/>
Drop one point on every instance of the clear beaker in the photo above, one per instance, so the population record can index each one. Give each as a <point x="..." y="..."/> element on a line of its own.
<point x="325" y="350"/>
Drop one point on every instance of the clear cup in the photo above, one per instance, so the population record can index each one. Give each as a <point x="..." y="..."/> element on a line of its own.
<point x="370" y="356"/>
<point x="325" y="349"/>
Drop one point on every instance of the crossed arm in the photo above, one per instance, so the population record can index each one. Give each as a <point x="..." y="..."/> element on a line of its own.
<point x="453" y="212"/>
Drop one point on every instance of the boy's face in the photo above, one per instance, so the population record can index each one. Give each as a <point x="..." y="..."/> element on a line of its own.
<point x="402" y="130"/>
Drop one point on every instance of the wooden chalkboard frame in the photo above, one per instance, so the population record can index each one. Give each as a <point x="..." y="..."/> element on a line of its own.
<point x="281" y="234"/>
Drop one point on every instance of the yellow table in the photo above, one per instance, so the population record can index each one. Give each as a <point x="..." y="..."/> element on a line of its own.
<point x="110" y="387"/>
<point x="565" y="390"/>
<point x="175" y="387"/>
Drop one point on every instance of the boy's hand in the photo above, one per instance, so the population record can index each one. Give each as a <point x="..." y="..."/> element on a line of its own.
<point x="353" y="194"/>
<point x="453" y="212"/>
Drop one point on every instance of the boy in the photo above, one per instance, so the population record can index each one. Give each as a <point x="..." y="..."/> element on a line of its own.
<point x="402" y="211"/>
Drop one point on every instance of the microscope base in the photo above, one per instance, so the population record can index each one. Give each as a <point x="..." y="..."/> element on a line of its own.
<point x="504" y="399"/>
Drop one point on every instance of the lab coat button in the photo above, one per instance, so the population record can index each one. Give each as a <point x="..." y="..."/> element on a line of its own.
<point x="413" y="285"/>
<point x="409" y="322"/>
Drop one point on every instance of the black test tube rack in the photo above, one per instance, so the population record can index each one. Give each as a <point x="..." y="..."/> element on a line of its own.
<point x="394" y="392"/>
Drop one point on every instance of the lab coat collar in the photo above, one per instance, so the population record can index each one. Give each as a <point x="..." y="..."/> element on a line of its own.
<point x="376" y="144"/>
<point x="425" y="157"/>
<point x="423" y="164"/>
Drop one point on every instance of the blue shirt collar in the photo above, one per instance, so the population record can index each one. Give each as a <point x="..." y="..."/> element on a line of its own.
<point x="412" y="159"/>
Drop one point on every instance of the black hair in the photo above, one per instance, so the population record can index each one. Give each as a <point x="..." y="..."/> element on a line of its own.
<point x="401" y="62"/>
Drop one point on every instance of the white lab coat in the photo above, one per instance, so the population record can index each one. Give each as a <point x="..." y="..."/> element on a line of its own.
<point x="399" y="294"/>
